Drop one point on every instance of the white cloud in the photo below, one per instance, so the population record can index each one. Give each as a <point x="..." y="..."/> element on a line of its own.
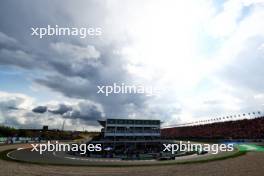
<point x="166" y="53"/>
<point x="15" y="100"/>
<point x="11" y="103"/>
<point x="224" y="23"/>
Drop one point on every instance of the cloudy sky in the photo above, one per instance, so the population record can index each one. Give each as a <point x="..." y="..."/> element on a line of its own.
<point x="206" y="59"/>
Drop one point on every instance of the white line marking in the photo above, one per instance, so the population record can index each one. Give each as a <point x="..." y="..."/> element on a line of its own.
<point x="8" y="155"/>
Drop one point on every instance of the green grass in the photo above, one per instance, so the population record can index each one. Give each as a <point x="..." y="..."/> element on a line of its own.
<point x="250" y="147"/>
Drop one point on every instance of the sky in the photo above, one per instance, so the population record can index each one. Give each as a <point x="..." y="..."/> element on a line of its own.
<point x="205" y="57"/>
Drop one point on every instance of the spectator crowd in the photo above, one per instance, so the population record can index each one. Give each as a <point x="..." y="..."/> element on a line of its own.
<point x="239" y="129"/>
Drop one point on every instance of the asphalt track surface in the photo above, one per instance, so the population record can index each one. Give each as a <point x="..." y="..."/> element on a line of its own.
<point x="62" y="158"/>
<point x="251" y="164"/>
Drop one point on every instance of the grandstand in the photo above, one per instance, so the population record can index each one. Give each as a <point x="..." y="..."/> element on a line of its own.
<point x="129" y="136"/>
<point x="228" y="130"/>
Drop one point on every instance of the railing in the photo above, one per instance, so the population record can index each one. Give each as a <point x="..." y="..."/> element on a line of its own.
<point x="133" y="131"/>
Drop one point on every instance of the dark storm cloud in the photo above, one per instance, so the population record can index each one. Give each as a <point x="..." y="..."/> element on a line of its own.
<point x="17" y="112"/>
<point x="86" y="111"/>
<point x="12" y="108"/>
<point x="68" y="65"/>
<point x="40" y="109"/>
<point x="7" y="41"/>
<point x="62" y="108"/>
<point x="80" y="78"/>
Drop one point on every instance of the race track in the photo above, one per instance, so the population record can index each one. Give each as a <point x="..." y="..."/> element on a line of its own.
<point x="245" y="165"/>
<point x="62" y="158"/>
